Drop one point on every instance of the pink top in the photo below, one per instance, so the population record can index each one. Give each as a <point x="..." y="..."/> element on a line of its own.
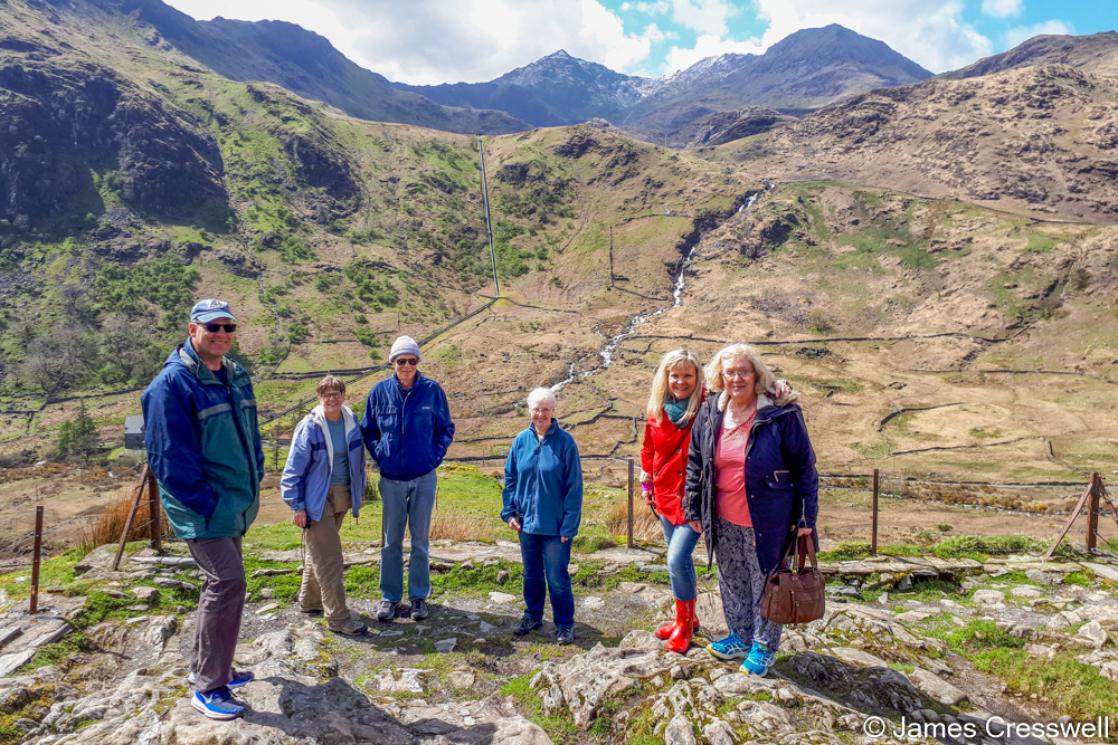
<point x="729" y="464"/>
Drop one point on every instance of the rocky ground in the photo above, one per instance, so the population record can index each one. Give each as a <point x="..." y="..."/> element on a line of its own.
<point x="903" y="640"/>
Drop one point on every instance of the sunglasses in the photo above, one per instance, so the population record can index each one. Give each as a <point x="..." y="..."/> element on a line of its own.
<point x="213" y="328"/>
<point x="405" y="362"/>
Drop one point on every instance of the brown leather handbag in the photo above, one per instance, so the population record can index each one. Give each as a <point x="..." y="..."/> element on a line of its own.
<point x="794" y="595"/>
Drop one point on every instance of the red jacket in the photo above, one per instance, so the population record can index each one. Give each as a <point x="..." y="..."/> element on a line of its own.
<point x="664" y="455"/>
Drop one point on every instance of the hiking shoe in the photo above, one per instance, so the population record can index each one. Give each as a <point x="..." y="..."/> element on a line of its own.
<point x="236" y="679"/>
<point x="759" y="660"/>
<point x="729" y="648"/>
<point x="386" y="610"/>
<point x="353" y="627"/>
<point x="316" y="612"/>
<point x="527" y="625"/>
<point x="217" y="704"/>
<point x="419" y="609"/>
<point x="564" y="635"/>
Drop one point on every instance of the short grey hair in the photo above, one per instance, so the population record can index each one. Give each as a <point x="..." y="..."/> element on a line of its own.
<point x="539" y="395"/>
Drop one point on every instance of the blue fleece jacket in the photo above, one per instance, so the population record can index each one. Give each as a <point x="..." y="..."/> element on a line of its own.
<point x="543" y="483"/>
<point x="305" y="484"/>
<point x="203" y="444"/>
<point x="407" y="431"/>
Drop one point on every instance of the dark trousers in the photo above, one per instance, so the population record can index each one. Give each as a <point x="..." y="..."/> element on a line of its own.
<point x="219" y="610"/>
<point x="546" y="557"/>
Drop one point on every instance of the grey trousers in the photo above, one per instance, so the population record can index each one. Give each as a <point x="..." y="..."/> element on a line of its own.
<point x="742" y="584"/>
<point x="323" y="586"/>
<point x="219" y="610"/>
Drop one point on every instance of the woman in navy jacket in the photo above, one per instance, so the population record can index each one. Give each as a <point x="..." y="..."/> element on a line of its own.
<point x="751" y="485"/>
<point x="543" y="503"/>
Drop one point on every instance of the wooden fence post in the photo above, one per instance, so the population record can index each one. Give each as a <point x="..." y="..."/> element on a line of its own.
<point x="131" y="516"/>
<point x="629" y="509"/>
<point x="156" y="531"/>
<point x="1093" y="507"/>
<point x="876" y="494"/>
<point x="36" y="553"/>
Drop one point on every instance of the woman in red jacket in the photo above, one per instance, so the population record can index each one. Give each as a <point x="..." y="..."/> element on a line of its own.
<point x="677" y="391"/>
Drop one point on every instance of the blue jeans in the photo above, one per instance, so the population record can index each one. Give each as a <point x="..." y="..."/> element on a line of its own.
<point x="681" y="567"/>
<point x="547" y="556"/>
<point x="411" y="503"/>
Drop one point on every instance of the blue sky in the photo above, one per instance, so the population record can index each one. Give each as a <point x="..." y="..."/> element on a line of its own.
<point x="435" y="41"/>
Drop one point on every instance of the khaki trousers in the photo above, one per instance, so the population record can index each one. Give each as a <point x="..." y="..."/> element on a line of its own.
<point x="323" y="571"/>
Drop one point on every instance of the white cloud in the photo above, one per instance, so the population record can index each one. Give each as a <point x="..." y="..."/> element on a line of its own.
<point x="1018" y="34"/>
<point x="707" y="17"/>
<point x="1002" y="8"/>
<point x="427" y="41"/>
<point x="653" y="8"/>
<point x="708" y="45"/>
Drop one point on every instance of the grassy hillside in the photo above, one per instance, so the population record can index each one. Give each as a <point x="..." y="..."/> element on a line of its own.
<point x="927" y="336"/>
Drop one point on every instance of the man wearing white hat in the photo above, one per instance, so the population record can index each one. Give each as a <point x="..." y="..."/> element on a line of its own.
<point x="407" y="429"/>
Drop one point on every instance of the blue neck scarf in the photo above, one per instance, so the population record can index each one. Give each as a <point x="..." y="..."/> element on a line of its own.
<point x="676" y="408"/>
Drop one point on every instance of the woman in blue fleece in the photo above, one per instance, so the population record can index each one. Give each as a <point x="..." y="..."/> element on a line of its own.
<point x="324" y="478"/>
<point x="543" y="503"/>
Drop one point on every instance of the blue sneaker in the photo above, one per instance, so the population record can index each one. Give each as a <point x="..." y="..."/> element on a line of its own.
<point x="728" y="648"/>
<point x="759" y="660"/>
<point x="217" y="704"/>
<point x="239" y="678"/>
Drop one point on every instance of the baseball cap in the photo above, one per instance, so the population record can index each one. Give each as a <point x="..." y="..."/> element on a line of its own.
<point x="211" y="309"/>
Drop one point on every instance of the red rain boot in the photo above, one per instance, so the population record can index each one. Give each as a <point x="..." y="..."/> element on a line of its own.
<point x="680" y="640"/>
<point x="666" y="630"/>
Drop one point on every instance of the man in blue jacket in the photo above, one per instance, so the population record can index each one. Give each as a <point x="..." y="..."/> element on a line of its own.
<point x="203" y="445"/>
<point x="407" y="430"/>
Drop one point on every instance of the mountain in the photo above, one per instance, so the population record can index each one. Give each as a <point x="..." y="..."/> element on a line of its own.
<point x="807" y="70"/>
<point x="556" y="89"/>
<point x="301" y="61"/>
<point x="920" y="261"/>
<point x="1097" y="53"/>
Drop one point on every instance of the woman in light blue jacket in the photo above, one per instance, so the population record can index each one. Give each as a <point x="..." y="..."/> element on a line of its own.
<point x="323" y="479"/>
<point x="542" y="501"/>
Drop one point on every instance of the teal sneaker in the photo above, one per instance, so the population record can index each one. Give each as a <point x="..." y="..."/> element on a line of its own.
<point x="759" y="660"/>
<point x="728" y="648"/>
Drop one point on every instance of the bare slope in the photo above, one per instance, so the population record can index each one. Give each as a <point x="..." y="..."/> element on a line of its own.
<point x="1097" y="53"/>
<point x="1038" y="140"/>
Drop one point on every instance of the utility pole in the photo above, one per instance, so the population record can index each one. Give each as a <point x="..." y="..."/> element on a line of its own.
<point x="611" y="256"/>
<point x="488" y="218"/>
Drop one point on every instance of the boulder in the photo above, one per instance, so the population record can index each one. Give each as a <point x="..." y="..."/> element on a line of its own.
<point x="1092" y="634"/>
<point x="988" y="597"/>
<point x="936" y="688"/>
<point x="582" y="684"/>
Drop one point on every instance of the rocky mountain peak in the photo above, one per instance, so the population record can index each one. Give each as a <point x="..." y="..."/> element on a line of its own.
<point x="834" y="44"/>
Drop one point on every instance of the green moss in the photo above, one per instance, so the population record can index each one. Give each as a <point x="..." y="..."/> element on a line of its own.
<point x="560" y="728"/>
<point x="473" y="579"/>
<point x="973" y="545"/>
<point x="55" y="573"/>
<point x="1080" y="578"/>
<point x="284" y="587"/>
